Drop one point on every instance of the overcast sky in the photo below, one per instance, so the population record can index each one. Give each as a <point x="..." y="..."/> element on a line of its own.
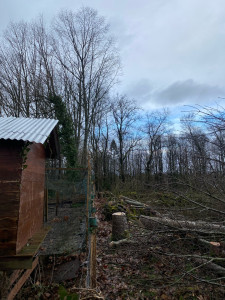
<point x="172" y="51"/>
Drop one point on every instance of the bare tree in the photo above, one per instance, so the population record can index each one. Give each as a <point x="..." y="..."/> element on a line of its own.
<point x="17" y="69"/>
<point x="124" y="114"/>
<point x="156" y="126"/>
<point x="26" y="70"/>
<point x="197" y="140"/>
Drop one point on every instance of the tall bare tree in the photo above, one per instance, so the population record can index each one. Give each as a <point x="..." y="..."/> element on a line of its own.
<point x="124" y="113"/>
<point x="87" y="54"/>
<point x="26" y="70"/>
<point x="155" y="128"/>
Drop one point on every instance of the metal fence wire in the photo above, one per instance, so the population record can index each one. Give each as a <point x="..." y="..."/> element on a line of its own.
<point x="66" y="195"/>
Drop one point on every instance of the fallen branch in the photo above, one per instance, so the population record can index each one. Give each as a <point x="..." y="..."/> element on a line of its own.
<point x="191" y="256"/>
<point x="198" y="226"/>
<point x="200" y="204"/>
<point x="216" y="248"/>
<point x="209" y="265"/>
<point x="124" y="241"/>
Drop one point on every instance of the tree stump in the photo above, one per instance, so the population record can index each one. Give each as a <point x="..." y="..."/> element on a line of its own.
<point x="119" y="226"/>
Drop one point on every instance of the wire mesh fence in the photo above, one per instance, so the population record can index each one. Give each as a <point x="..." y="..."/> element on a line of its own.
<point x="66" y="195"/>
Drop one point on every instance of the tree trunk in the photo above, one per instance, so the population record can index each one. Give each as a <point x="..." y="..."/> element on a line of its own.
<point x="155" y="223"/>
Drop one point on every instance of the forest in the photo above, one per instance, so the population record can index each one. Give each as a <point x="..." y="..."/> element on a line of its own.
<point x="69" y="69"/>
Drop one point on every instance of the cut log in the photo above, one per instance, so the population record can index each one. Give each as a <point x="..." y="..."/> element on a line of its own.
<point x="138" y="205"/>
<point x="154" y="223"/>
<point x="119" y="226"/>
<point x="131" y="201"/>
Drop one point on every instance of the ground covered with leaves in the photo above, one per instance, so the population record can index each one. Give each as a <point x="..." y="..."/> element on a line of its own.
<point x="149" y="264"/>
<point x="152" y="265"/>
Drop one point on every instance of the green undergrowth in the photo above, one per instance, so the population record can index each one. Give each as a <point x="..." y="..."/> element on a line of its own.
<point x="111" y="208"/>
<point x="65" y="295"/>
<point x="118" y="205"/>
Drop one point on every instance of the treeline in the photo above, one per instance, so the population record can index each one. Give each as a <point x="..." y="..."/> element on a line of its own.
<point x="67" y="70"/>
<point x="154" y="154"/>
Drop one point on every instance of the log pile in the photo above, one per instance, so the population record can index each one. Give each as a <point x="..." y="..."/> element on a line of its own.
<point x="140" y="206"/>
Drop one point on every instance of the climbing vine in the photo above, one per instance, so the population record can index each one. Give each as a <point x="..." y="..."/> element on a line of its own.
<point x="66" y="131"/>
<point x="24" y="154"/>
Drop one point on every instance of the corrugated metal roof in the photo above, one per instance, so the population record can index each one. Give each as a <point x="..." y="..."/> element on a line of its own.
<point x="26" y="129"/>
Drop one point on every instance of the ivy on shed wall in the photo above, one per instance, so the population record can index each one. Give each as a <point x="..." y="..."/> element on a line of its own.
<point x="66" y="132"/>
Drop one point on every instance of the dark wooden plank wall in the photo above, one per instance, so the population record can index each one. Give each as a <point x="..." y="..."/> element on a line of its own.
<point x="10" y="176"/>
<point x="31" y="195"/>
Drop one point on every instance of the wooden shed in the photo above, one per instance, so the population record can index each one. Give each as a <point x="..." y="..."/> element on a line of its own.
<point x="25" y="143"/>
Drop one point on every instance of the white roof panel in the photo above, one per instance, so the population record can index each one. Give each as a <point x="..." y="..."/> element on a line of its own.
<point x="26" y="129"/>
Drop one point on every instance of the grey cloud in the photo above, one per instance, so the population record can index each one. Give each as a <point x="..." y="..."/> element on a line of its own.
<point x="175" y="95"/>
<point x="141" y="90"/>
<point x="188" y="91"/>
<point x="160" y="42"/>
<point x="126" y="36"/>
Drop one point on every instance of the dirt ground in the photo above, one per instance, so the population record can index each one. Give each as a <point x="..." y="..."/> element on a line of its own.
<point x="68" y="232"/>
